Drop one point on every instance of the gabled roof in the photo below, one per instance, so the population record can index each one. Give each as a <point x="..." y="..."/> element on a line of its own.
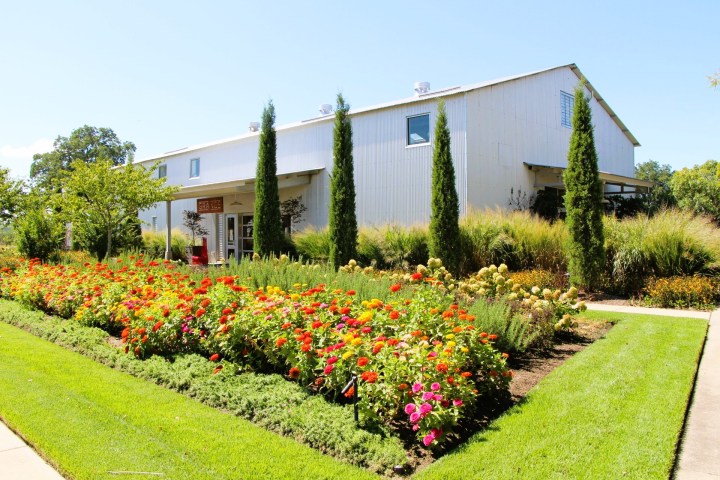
<point x="443" y="92"/>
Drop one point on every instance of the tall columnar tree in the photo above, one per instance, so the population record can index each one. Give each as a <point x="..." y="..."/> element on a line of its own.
<point x="342" y="217"/>
<point x="583" y="200"/>
<point x="267" y="223"/>
<point x="444" y="240"/>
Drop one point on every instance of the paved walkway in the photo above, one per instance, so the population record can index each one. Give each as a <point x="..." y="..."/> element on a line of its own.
<point x="20" y="462"/>
<point x="700" y="445"/>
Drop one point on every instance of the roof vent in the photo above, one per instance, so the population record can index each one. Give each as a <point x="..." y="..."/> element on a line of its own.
<point x="325" y="109"/>
<point x="254" y="126"/>
<point x="422" y="88"/>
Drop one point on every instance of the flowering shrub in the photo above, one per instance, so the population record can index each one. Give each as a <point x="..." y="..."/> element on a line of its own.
<point x="683" y="292"/>
<point x="538" y="278"/>
<point x="423" y="354"/>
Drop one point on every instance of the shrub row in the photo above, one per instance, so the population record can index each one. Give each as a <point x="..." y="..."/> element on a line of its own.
<point x="683" y="292"/>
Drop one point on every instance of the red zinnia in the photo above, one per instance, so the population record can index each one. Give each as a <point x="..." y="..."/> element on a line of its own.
<point x="280" y="342"/>
<point x="214" y="357"/>
<point x="362" y="361"/>
<point x="294" y="372"/>
<point x="369" y="377"/>
<point x="394" y="288"/>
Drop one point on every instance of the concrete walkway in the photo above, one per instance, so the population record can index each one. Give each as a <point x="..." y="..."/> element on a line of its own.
<point x="700" y="446"/>
<point x="20" y="462"/>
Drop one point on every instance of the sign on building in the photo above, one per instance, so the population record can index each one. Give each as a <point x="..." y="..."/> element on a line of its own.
<point x="210" y="205"/>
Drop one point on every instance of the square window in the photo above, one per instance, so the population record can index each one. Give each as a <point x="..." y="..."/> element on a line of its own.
<point x="162" y="171"/>
<point x="418" y="129"/>
<point x="567" y="105"/>
<point x="194" y="168"/>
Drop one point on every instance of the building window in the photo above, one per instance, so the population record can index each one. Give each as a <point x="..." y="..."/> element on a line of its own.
<point x="194" y="168"/>
<point x="418" y="129"/>
<point x="567" y="104"/>
<point x="162" y="171"/>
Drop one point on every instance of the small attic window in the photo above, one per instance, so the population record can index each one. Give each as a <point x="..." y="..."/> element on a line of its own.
<point x="418" y="129"/>
<point x="567" y="104"/>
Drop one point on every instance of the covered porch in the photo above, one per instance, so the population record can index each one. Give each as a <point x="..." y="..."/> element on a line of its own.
<point x="228" y="209"/>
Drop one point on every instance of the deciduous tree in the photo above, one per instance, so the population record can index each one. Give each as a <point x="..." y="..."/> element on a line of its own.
<point x="342" y="216"/>
<point x="698" y="188"/>
<point x="583" y="199"/>
<point x="99" y="198"/>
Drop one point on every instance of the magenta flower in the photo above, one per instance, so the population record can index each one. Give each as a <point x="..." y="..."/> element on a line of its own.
<point x="410" y="408"/>
<point x="435" y="387"/>
<point x="428" y="439"/>
<point x="328" y="369"/>
<point x="458" y="403"/>
<point x="417" y="387"/>
<point x="427" y="396"/>
<point x="332" y="360"/>
<point x="415" y="417"/>
<point x="425" y="408"/>
<point x="437" y="397"/>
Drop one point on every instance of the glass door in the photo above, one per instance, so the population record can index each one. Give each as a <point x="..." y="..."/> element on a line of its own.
<point x="231" y="236"/>
<point x="246" y="232"/>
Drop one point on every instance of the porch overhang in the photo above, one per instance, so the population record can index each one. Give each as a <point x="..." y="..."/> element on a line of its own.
<point x="552" y="176"/>
<point x="244" y="185"/>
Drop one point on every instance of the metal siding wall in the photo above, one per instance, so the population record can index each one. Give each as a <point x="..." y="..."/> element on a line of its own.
<point x="393" y="181"/>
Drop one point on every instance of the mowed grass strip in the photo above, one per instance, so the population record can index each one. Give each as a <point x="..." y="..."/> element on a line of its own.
<point x="89" y="420"/>
<point x="615" y="410"/>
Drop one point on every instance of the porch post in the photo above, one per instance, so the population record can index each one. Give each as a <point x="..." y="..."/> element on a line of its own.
<point x="168" y="232"/>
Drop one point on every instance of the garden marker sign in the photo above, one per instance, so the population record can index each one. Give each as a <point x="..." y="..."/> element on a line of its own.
<point x="210" y="205"/>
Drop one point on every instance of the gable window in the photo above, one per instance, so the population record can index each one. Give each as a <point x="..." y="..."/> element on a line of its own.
<point x="162" y="171"/>
<point x="418" y="129"/>
<point x="567" y="104"/>
<point x="194" y="168"/>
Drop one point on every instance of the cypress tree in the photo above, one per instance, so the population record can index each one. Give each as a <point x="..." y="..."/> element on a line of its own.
<point x="583" y="200"/>
<point x="267" y="223"/>
<point x="444" y="239"/>
<point x="342" y="217"/>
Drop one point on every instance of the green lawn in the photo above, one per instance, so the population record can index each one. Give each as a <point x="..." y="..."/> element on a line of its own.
<point x="614" y="410"/>
<point x="90" y="420"/>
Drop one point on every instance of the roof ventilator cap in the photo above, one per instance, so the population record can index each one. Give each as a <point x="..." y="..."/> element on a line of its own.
<point x="325" y="109"/>
<point x="254" y="126"/>
<point x="421" y="88"/>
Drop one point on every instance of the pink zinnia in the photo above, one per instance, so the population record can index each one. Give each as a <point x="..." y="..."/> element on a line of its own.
<point x="417" y="387"/>
<point x="328" y="369"/>
<point x="425" y="408"/>
<point x="437" y="397"/>
<point x="458" y="403"/>
<point x="332" y="360"/>
<point x="415" y="417"/>
<point x="410" y="408"/>
<point x="428" y="439"/>
<point x="427" y="396"/>
<point x="435" y="387"/>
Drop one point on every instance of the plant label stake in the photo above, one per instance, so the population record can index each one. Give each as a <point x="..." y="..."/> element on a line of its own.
<point x="353" y="383"/>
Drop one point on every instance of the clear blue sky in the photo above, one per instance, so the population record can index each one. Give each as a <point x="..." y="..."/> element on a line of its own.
<point x="168" y="74"/>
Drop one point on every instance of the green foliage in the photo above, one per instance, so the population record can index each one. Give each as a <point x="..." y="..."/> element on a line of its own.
<point x="313" y="243"/>
<point x="583" y="200"/>
<point x="154" y="244"/>
<point x="11" y="193"/>
<point x="496" y="316"/>
<point x="342" y="216"/>
<point x="193" y="222"/>
<point x="661" y="196"/>
<point x="547" y="204"/>
<point x="88" y="144"/>
<point x="102" y="202"/>
<point x="683" y="292"/>
<point x="39" y="231"/>
<point x="698" y="189"/>
<point x="267" y="224"/>
<point x="444" y="238"/>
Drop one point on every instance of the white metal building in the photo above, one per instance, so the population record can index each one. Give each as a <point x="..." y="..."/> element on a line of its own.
<point x="507" y="133"/>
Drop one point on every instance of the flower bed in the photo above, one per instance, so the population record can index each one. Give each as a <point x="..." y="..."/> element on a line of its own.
<point x="420" y="362"/>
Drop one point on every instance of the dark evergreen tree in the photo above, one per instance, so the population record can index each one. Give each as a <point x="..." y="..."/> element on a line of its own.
<point x="583" y="200"/>
<point x="444" y="239"/>
<point x="342" y="217"/>
<point x="267" y="224"/>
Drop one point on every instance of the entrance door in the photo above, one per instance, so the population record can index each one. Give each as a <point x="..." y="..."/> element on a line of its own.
<point x="238" y="236"/>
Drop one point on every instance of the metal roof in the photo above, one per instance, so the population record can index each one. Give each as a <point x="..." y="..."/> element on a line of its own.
<point x="443" y="92"/>
<point x="609" y="178"/>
